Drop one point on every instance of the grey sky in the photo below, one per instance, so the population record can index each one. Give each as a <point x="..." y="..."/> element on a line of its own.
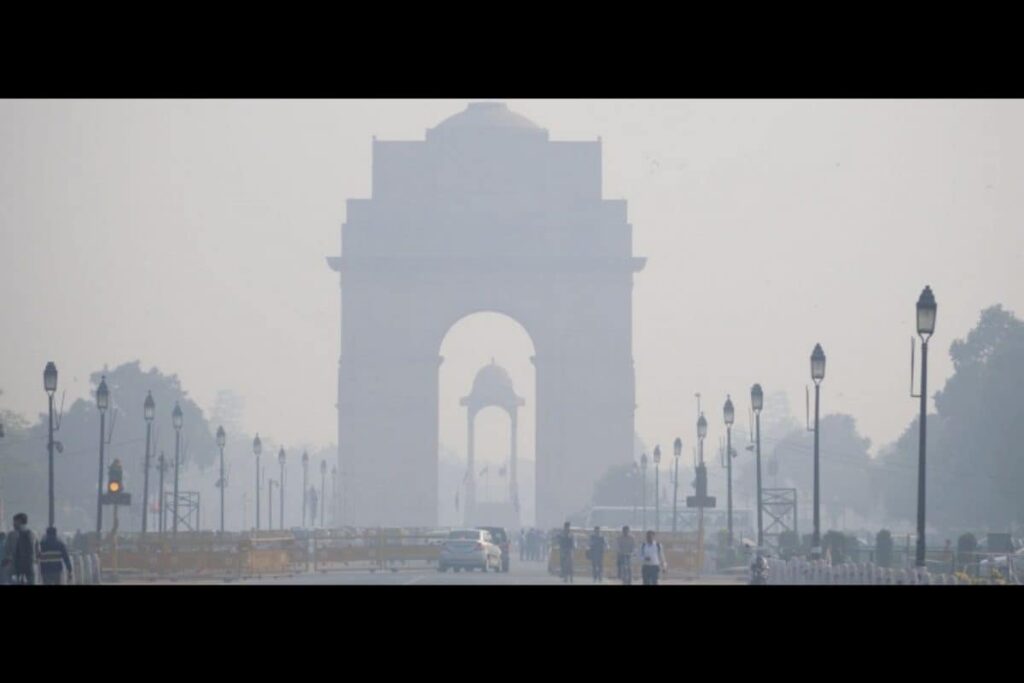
<point x="192" y="234"/>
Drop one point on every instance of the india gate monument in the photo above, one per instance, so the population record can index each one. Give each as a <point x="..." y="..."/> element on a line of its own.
<point x="485" y="214"/>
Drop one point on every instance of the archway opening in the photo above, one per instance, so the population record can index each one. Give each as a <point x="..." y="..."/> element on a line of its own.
<point x="470" y="346"/>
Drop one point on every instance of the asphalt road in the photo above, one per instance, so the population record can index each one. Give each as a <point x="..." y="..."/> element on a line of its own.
<point x="520" y="573"/>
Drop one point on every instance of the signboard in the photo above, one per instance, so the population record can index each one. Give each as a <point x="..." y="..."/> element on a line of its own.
<point x="697" y="502"/>
<point x="119" y="498"/>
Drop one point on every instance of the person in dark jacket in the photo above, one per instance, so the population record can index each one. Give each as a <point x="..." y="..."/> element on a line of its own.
<point x="566" y="546"/>
<point x="53" y="554"/>
<point x="3" y="566"/>
<point x="21" y="552"/>
<point x="596" y="554"/>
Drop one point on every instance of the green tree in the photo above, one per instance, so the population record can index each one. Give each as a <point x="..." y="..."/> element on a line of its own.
<point x="76" y="462"/>
<point x="975" y="466"/>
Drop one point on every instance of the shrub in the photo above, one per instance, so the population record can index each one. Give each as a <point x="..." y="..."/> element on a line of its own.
<point x="883" y="548"/>
<point x="966" y="546"/>
<point x="789" y="544"/>
<point x="834" y="542"/>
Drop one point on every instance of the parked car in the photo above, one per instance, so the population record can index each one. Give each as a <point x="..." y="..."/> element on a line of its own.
<point x="469" y="549"/>
<point x="1002" y="563"/>
<point x="501" y="539"/>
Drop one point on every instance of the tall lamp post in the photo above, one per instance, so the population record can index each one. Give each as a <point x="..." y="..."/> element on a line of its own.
<point x="102" y="402"/>
<point x="270" y="503"/>
<point x="643" y="490"/>
<point x="323" y="484"/>
<point x="702" y="431"/>
<point x="817" y="374"/>
<point x="305" y="485"/>
<point x="148" y="412"/>
<point x="50" y="384"/>
<point x="757" y="402"/>
<point x="221" y="440"/>
<point x="161" y="467"/>
<point x="336" y="513"/>
<point x="657" y="489"/>
<point x="926" y="313"/>
<point x="257" y="448"/>
<point x="176" y="422"/>
<point x="677" y="450"/>
<point x="280" y="484"/>
<point x="730" y="416"/>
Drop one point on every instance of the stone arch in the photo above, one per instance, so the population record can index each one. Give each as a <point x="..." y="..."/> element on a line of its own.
<point x="486" y="214"/>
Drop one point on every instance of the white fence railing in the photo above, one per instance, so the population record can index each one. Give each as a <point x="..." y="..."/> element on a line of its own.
<point x="819" y="572"/>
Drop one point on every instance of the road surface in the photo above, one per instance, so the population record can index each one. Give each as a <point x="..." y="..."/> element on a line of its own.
<point x="521" y="573"/>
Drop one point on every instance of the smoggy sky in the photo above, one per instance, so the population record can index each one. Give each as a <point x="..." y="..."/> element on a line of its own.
<point x="192" y="234"/>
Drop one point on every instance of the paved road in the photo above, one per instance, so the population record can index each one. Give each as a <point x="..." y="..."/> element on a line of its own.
<point x="526" y="573"/>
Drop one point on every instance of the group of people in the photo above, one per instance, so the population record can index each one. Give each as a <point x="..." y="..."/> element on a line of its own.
<point x="651" y="555"/>
<point x="533" y="545"/>
<point x="23" y="553"/>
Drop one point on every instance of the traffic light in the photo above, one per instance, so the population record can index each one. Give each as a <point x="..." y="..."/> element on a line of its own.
<point x="115" y="494"/>
<point x="114" y="478"/>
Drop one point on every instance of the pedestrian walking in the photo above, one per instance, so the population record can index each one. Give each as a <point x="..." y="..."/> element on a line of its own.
<point x="21" y="552"/>
<point x="566" y="546"/>
<point x="625" y="546"/>
<point x="53" y="559"/>
<point x="522" y="545"/>
<point x="3" y="556"/>
<point x="652" y="559"/>
<point x="596" y="554"/>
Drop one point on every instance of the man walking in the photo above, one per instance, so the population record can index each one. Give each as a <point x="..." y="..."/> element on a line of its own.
<point x="652" y="560"/>
<point x="21" y="552"/>
<point x="3" y="555"/>
<point x="53" y="559"/>
<point x="596" y="554"/>
<point x="566" y="546"/>
<point x="626" y="546"/>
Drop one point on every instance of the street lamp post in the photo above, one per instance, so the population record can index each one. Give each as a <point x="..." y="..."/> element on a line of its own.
<point x="176" y="420"/>
<point x="757" y="401"/>
<point x="730" y="416"/>
<point x="270" y="503"/>
<point x="677" y="450"/>
<point x="257" y="448"/>
<point x="702" y="431"/>
<point x="926" y="313"/>
<point x="148" y="412"/>
<point x="162" y="467"/>
<point x="817" y="374"/>
<point x="657" y="489"/>
<point x="102" y="402"/>
<point x="221" y="440"/>
<point x="336" y="513"/>
<point x="280" y="484"/>
<point x="323" y="484"/>
<point x="632" y="475"/>
<point x="305" y="485"/>
<point x="50" y="385"/>
<point x="643" y="490"/>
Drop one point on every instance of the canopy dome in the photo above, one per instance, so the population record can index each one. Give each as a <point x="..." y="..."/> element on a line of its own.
<point x="493" y="117"/>
<point x="492" y="387"/>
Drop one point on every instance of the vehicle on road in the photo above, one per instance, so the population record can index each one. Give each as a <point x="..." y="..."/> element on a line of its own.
<point x="469" y="549"/>
<point x="1002" y="564"/>
<point x="501" y="539"/>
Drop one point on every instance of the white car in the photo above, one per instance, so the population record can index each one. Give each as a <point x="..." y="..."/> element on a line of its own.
<point x="469" y="549"/>
<point x="1002" y="563"/>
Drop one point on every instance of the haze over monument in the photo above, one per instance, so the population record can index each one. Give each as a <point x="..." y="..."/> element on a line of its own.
<point x="190" y="234"/>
